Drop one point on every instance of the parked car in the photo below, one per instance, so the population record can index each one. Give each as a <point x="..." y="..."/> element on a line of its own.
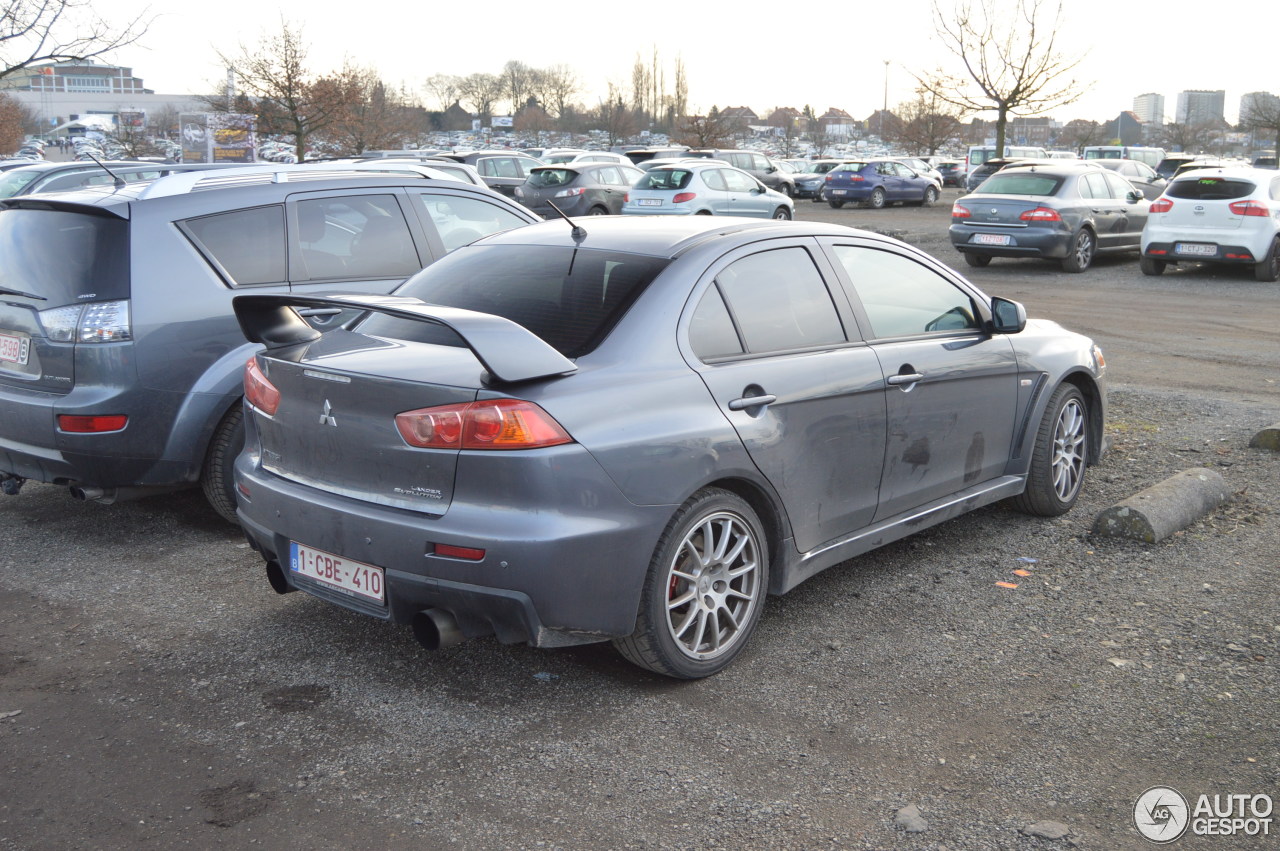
<point x="922" y="167"/>
<point x="501" y="171"/>
<point x="120" y="359"/>
<point x="878" y="183"/>
<point x="561" y="156"/>
<point x="704" y="188"/>
<point x="636" y="432"/>
<point x="1141" y="175"/>
<point x="1063" y="211"/>
<point x="989" y="167"/>
<point x="952" y="172"/>
<point x="1265" y="159"/>
<point x="1224" y="216"/>
<point x="1199" y="163"/>
<point x="37" y="178"/>
<point x="578" y="189"/>
<point x="753" y="163"/>
<point x="810" y="182"/>
<point x="1170" y="163"/>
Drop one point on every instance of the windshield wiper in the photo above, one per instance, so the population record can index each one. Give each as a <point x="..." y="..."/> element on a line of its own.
<point x="8" y="291"/>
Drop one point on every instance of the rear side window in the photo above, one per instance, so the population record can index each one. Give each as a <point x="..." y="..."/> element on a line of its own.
<point x="665" y="178"/>
<point x="1210" y="188"/>
<point x="65" y="257"/>
<point x="780" y="302"/>
<point x="571" y="298"/>
<point x="247" y="247"/>
<point x="544" y="177"/>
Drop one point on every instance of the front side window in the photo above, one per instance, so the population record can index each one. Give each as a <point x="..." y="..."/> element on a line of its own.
<point x="904" y="298"/>
<point x="780" y="302"/>
<point x="737" y="181"/>
<point x="247" y="246"/>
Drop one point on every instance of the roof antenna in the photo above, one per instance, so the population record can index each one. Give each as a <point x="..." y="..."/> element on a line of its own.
<point x="119" y="181"/>
<point x="578" y="233"/>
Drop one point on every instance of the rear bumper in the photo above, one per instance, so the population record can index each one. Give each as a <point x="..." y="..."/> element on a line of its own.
<point x="564" y="565"/>
<point x="1023" y="242"/>
<point x="1167" y="252"/>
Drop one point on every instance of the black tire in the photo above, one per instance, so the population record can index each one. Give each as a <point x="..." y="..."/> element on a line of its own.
<point x="1267" y="270"/>
<point x="977" y="260"/>
<point x="597" y="211"/>
<point x="703" y="213"/>
<point x="835" y="205"/>
<point x="787" y="189"/>
<point x="683" y="595"/>
<point x="1151" y="266"/>
<point x="821" y="195"/>
<point x="782" y="213"/>
<point x="1060" y="456"/>
<point x="930" y="196"/>
<point x="1080" y="254"/>
<point x="216" y="476"/>
<point x="878" y="199"/>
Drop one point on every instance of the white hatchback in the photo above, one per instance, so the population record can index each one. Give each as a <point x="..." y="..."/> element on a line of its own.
<point x="1216" y="215"/>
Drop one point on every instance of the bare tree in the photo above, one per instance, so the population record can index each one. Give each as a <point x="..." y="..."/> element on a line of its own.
<point x="444" y="89"/>
<point x="517" y="80"/>
<point x="1264" y="115"/>
<point x="1192" y="138"/>
<point x="482" y="91"/>
<point x="615" y="118"/>
<point x="373" y="116"/>
<point x="164" y="121"/>
<point x="288" y="98"/>
<point x="12" y="131"/>
<point x="559" y="85"/>
<point x="1080" y="132"/>
<point x="1010" y="53"/>
<point x="927" y="123"/>
<point x="705" y="131"/>
<point x="33" y="32"/>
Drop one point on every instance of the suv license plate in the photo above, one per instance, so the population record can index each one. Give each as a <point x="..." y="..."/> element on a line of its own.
<point x="15" y="349"/>
<point x="353" y="578"/>
<point x="990" y="239"/>
<point x="1195" y="249"/>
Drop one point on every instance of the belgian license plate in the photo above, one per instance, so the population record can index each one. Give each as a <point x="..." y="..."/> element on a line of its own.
<point x="838" y="191"/>
<point x="649" y="202"/>
<point x="990" y="239"/>
<point x="1195" y="249"/>
<point x="352" y="578"/>
<point x="15" y="349"/>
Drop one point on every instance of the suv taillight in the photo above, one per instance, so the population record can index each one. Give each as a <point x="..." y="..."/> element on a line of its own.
<point x="96" y="322"/>
<point x="1160" y="205"/>
<point x="491" y="424"/>
<point x="1250" y="208"/>
<point x="260" y="392"/>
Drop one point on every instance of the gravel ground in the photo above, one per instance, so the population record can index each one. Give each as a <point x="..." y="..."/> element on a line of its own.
<point x="168" y="699"/>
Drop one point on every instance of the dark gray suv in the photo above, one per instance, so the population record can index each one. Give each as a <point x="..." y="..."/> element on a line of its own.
<point x="121" y="364"/>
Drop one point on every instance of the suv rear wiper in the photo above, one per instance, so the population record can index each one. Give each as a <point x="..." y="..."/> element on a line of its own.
<point x="8" y="291"/>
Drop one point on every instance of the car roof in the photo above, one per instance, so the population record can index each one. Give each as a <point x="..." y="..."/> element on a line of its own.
<point x="1246" y="172"/>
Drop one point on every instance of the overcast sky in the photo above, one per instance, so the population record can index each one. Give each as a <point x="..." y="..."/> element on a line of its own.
<point x="740" y="54"/>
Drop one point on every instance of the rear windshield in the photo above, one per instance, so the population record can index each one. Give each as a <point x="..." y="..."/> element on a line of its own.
<point x="850" y="167"/>
<point x="66" y="257"/>
<point x="1210" y="188"/>
<point x="571" y="298"/>
<point x="1020" y="184"/>
<point x="665" y="178"/>
<point x="544" y="177"/>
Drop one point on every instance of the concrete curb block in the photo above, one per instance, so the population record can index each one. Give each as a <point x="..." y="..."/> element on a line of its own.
<point x="1268" y="438"/>
<point x="1162" y="509"/>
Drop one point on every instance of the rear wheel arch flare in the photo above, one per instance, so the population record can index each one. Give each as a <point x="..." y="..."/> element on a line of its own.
<point x="771" y="515"/>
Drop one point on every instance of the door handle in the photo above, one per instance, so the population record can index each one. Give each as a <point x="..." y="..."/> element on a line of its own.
<point x="907" y="378"/>
<point x="752" y="402"/>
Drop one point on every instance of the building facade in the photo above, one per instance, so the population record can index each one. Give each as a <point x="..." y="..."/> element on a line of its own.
<point x="1149" y="108"/>
<point x="1199" y="106"/>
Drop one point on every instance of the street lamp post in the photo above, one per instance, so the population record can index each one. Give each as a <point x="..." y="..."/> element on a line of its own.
<point x="886" y="100"/>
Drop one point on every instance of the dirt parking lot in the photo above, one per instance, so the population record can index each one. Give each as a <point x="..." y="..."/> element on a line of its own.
<point x="154" y="692"/>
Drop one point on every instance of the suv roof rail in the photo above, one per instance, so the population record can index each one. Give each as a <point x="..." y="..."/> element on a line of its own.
<point x="185" y="182"/>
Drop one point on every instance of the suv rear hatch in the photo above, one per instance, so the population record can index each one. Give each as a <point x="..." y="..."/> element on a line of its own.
<point x="64" y="282"/>
<point x="1204" y="202"/>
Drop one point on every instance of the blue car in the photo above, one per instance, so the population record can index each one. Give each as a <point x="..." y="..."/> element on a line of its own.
<point x="878" y="183"/>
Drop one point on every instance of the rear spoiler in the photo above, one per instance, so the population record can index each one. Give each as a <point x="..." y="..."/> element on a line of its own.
<point x="510" y="352"/>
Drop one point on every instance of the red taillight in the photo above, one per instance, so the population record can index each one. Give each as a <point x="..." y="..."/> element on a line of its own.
<point x="92" y="424"/>
<point x="1160" y="205"/>
<point x="491" y="424"/>
<point x="681" y="197"/>
<point x="959" y="212"/>
<point x="260" y="392"/>
<point x="450" y="551"/>
<point x="626" y="196"/>
<point x="1041" y="214"/>
<point x="1250" y="208"/>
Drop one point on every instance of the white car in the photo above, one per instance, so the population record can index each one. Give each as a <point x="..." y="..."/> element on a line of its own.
<point x="1216" y="215"/>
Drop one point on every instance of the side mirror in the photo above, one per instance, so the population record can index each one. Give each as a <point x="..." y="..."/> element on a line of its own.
<point x="1007" y="317"/>
<point x="1134" y="196"/>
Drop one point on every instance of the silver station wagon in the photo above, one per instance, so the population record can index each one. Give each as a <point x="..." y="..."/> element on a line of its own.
<point x="636" y="429"/>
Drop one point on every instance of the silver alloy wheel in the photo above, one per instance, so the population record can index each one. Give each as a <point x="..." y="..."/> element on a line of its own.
<point x="1068" y="450"/>
<point x="713" y="586"/>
